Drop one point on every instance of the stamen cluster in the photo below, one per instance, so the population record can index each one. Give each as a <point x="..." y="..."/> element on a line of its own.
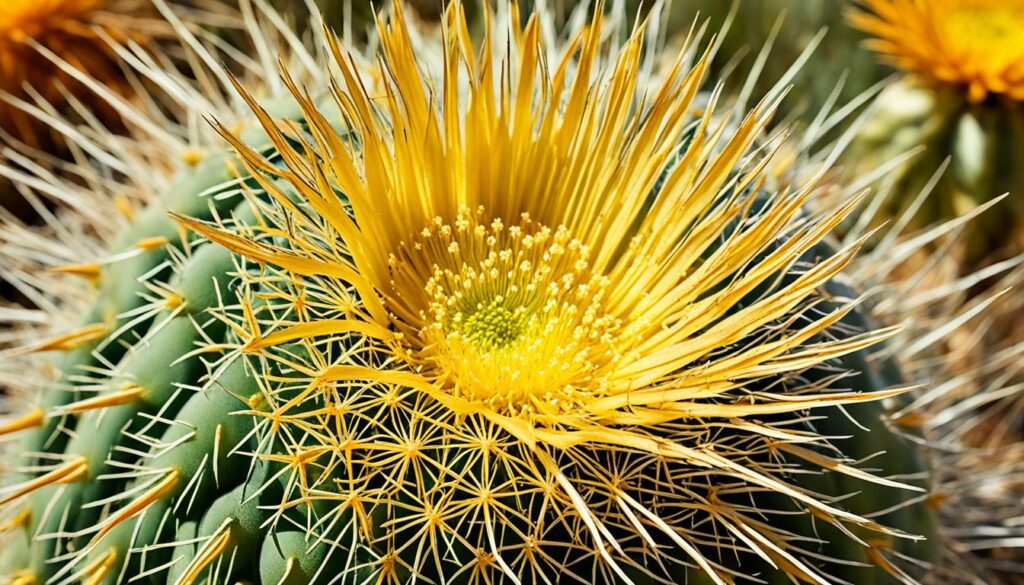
<point x="514" y="315"/>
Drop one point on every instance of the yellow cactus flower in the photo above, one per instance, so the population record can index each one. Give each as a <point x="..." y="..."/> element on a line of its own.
<point x="550" y="310"/>
<point x="526" y="305"/>
<point x="977" y="44"/>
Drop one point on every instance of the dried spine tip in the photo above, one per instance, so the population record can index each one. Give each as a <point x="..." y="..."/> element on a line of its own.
<point x="159" y="489"/>
<point x="29" y="420"/>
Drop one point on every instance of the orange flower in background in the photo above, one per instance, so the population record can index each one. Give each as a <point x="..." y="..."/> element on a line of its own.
<point x="977" y="44"/>
<point x="36" y="34"/>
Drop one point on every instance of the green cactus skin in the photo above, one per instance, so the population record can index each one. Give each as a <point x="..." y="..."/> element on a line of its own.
<point x="287" y="558"/>
<point x="232" y="522"/>
<point x="120" y="284"/>
<point x="185" y="534"/>
<point x="207" y="426"/>
<point x="201" y="464"/>
<point x="983" y="145"/>
<point x="156" y="366"/>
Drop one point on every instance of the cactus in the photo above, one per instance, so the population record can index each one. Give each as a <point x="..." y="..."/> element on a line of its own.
<point x="959" y="97"/>
<point x="48" y="45"/>
<point x="523" y="314"/>
<point x="50" y="53"/>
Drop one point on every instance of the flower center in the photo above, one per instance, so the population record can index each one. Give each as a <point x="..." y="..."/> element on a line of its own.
<point x="978" y="30"/>
<point x="513" y="316"/>
<point x="494" y="326"/>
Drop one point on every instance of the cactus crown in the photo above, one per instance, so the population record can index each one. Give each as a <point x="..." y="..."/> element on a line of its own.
<point x="483" y="264"/>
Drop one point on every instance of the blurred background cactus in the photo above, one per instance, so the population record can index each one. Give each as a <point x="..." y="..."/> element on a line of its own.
<point x="45" y="48"/>
<point x="952" y="90"/>
<point x="50" y="50"/>
<point x="960" y="96"/>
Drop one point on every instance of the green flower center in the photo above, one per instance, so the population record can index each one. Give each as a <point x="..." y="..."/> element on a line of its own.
<point x="513" y="315"/>
<point x="493" y="325"/>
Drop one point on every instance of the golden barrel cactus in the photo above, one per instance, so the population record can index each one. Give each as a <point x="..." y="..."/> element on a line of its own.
<point x="48" y="46"/>
<point x="529" y="307"/>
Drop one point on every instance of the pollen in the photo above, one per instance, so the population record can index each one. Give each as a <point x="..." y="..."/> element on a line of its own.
<point x="974" y="44"/>
<point x="512" y="315"/>
<point x="494" y="326"/>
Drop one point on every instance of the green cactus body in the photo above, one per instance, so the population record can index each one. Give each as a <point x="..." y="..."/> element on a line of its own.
<point x="183" y="481"/>
<point x="982" y="142"/>
<point x="232" y="523"/>
<point x="153" y="380"/>
<point x="287" y="557"/>
<point x="157" y="379"/>
<point x="959" y="98"/>
<point x="280" y="420"/>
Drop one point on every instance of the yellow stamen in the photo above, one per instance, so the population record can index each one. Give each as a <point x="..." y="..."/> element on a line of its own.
<point x="513" y="315"/>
